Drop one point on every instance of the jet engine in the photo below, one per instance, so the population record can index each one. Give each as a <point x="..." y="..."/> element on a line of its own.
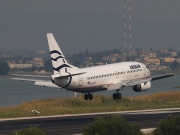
<point x="142" y="87"/>
<point x="59" y="81"/>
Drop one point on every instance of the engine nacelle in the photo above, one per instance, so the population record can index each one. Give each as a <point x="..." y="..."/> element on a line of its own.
<point x="142" y="87"/>
<point x="58" y="81"/>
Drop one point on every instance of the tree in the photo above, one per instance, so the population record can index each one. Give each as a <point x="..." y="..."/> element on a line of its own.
<point x="77" y="63"/>
<point x="174" y="65"/>
<point x="48" y="65"/>
<point x="4" y="68"/>
<point x="33" y="130"/>
<point x="169" y="126"/>
<point x="112" y="125"/>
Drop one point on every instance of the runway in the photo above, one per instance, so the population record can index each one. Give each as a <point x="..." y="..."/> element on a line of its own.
<point x="72" y="124"/>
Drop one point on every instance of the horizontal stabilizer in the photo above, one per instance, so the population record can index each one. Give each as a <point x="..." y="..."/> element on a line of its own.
<point x="59" y="76"/>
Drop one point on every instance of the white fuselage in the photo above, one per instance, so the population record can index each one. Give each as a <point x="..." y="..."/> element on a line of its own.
<point x="98" y="78"/>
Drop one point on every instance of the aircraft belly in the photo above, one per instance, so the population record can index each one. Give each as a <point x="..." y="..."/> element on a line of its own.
<point x="89" y="89"/>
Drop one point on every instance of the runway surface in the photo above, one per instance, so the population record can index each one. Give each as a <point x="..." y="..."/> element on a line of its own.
<point x="73" y="124"/>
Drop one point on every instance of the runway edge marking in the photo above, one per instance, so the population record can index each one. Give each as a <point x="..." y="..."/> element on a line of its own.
<point x="157" y="111"/>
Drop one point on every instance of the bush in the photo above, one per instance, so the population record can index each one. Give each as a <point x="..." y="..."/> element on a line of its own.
<point x="113" y="125"/>
<point x="33" y="130"/>
<point x="4" y="68"/>
<point x="169" y="126"/>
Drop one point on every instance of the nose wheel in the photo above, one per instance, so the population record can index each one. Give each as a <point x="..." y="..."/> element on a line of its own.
<point x="88" y="96"/>
<point x="117" y="95"/>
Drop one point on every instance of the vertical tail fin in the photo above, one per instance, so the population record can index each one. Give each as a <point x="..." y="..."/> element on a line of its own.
<point x="60" y="64"/>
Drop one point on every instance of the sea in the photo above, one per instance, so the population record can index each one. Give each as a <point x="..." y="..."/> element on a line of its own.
<point x="13" y="92"/>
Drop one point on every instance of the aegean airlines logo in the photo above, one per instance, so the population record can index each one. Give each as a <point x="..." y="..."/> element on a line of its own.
<point x="134" y="66"/>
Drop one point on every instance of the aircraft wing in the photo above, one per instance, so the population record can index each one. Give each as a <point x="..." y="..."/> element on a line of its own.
<point x="161" y="76"/>
<point x="131" y="83"/>
<point x="46" y="84"/>
<point x="54" y="76"/>
<point x="145" y="80"/>
<point x="125" y="83"/>
<point x="36" y="76"/>
<point x="43" y="83"/>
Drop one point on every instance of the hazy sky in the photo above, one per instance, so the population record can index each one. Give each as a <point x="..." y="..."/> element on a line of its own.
<point x="95" y="25"/>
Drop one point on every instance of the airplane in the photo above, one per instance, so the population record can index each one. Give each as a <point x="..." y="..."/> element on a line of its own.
<point x="93" y="79"/>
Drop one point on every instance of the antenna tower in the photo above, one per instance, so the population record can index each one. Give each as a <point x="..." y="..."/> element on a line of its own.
<point x="125" y="23"/>
<point x="127" y="2"/>
<point x="130" y="26"/>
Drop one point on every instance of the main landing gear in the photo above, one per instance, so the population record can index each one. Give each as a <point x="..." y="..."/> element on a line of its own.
<point x="117" y="95"/>
<point x="88" y="96"/>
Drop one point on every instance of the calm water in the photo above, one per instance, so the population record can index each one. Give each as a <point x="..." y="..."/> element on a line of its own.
<point x="14" y="92"/>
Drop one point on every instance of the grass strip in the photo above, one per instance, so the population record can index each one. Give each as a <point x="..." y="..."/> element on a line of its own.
<point x="57" y="106"/>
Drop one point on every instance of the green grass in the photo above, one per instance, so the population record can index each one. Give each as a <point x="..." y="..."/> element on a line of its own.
<point x="78" y="105"/>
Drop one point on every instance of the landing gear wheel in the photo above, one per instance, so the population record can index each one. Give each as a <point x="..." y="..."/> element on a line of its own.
<point x="86" y="96"/>
<point x="114" y="96"/>
<point x="90" y="96"/>
<point x="119" y="96"/>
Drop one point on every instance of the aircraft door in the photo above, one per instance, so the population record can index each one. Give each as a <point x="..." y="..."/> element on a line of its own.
<point x="144" y="70"/>
<point x="80" y="80"/>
